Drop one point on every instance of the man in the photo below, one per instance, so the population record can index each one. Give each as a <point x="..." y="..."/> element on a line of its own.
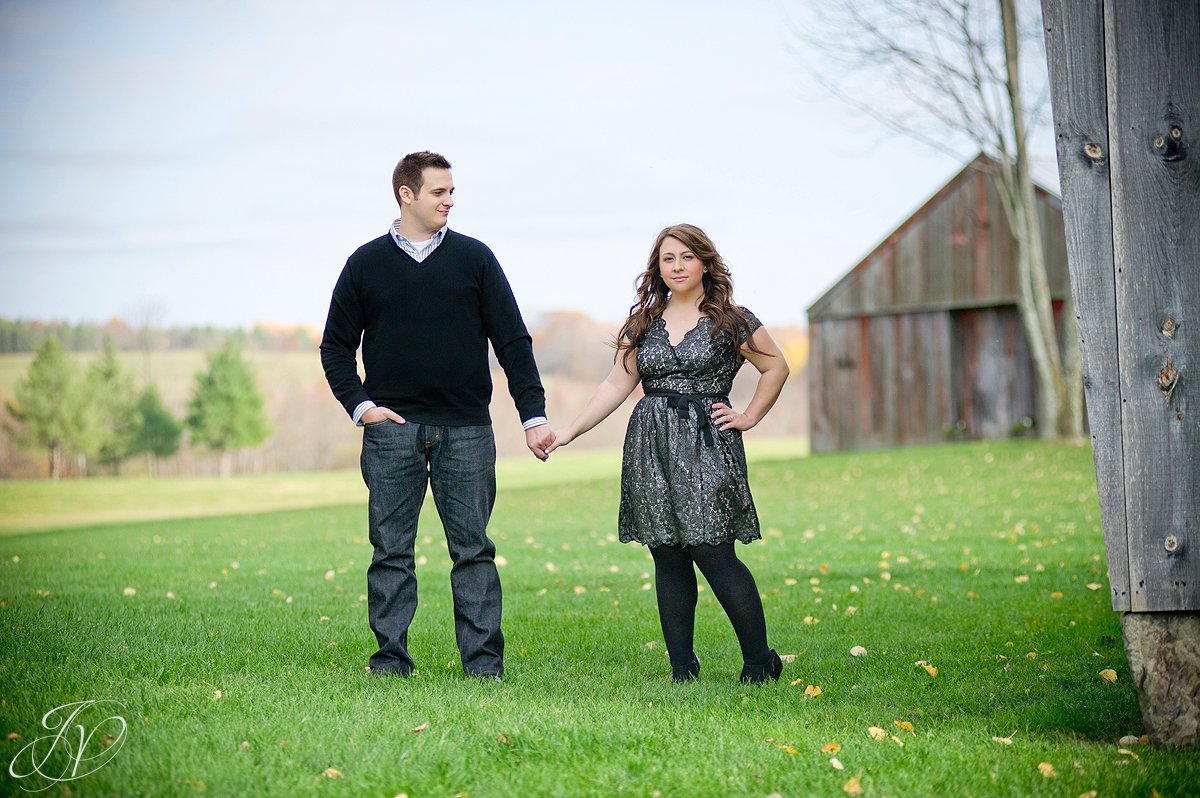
<point x="424" y="301"/>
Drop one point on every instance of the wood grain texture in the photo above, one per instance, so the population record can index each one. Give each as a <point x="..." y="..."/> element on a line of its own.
<point x="1075" y="52"/>
<point x="1152" y="59"/>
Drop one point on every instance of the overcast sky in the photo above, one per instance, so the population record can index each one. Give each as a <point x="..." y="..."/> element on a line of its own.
<point x="218" y="161"/>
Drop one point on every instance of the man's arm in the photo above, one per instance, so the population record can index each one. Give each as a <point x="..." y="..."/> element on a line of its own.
<point x="514" y="350"/>
<point x="339" y="347"/>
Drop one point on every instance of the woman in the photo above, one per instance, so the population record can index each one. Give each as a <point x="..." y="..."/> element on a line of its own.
<point x="684" y="492"/>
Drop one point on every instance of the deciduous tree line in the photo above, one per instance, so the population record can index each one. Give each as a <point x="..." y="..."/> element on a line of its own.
<point x="102" y="416"/>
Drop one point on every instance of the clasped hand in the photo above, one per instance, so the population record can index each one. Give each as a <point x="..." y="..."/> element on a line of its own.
<point x="540" y="440"/>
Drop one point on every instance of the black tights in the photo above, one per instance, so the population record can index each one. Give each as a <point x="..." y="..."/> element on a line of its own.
<point x="732" y="584"/>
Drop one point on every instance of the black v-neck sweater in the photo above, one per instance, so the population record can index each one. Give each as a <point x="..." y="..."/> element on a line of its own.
<point x="424" y="329"/>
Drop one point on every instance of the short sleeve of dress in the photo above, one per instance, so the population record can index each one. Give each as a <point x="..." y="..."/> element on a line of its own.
<point x="754" y="324"/>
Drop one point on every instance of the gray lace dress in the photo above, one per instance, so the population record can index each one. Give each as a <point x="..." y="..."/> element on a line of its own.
<point x="684" y="482"/>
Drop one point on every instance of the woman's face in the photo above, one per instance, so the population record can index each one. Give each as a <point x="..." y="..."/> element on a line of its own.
<point x="680" y="268"/>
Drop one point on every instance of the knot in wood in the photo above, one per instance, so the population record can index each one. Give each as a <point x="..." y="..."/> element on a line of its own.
<point x="1171" y="544"/>
<point x="1093" y="151"/>
<point x="1168" y="378"/>
<point x="1176" y="132"/>
<point x="1160" y="142"/>
<point x="1169" y="326"/>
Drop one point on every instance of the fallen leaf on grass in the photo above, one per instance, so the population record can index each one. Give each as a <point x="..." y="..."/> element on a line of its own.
<point x="1094" y="586"/>
<point x="896" y="740"/>
<point x="129" y="591"/>
<point x="331" y="773"/>
<point x="1127" y="752"/>
<point x="1047" y="770"/>
<point x="1108" y="675"/>
<point x="812" y="691"/>
<point x="1022" y="579"/>
<point x="787" y="659"/>
<point x="797" y="682"/>
<point x="1003" y="740"/>
<point x="421" y="728"/>
<point x="908" y="727"/>
<point x="503" y="739"/>
<point x="836" y="763"/>
<point x="788" y="749"/>
<point x="852" y="787"/>
<point x="858" y="651"/>
<point x="932" y="671"/>
<point x="1088" y="794"/>
<point x="810" y="621"/>
<point x="217" y="695"/>
<point x="831" y="748"/>
<point x="877" y="733"/>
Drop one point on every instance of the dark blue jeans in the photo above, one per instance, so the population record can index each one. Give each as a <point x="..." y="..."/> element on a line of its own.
<point x="459" y="464"/>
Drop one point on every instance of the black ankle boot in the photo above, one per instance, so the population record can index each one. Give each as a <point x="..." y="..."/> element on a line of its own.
<point x="689" y="672"/>
<point x="760" y="673"/>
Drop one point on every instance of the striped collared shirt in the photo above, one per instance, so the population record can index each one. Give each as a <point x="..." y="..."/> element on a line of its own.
<point x="419" y="252"/>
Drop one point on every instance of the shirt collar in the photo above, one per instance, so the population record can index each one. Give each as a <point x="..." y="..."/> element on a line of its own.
<point x="436" y="238"/>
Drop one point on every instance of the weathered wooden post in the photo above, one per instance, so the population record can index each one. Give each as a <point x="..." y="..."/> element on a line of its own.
<point x="1125" y="89"/>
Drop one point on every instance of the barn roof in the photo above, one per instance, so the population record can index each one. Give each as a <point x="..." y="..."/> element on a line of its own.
<point x="954" y="251"/>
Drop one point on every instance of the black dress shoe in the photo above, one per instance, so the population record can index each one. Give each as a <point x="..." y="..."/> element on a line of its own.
<point x="760" y="673"/>
<point x="689" y="672"/>
<point x="399" y="673"/>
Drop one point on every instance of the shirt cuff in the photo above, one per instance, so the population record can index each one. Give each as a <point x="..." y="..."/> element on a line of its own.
<point x="363" y="407"/>
<point x="536" y="421"/>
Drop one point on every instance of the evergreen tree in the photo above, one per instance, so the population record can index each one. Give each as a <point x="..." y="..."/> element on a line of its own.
<point x="156" y="432"/>
<point x="111" y="392"/>
<point x="44" y="403"/>
<point x="226" y="408"/>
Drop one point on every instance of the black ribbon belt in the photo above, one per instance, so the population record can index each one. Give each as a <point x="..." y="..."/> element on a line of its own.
<point x="683" y="403"/>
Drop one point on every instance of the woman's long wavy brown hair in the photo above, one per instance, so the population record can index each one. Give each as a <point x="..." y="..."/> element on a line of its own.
<point x="652" y="293"/>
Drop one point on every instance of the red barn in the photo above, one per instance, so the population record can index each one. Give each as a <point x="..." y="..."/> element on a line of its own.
<point x="921" y="341"/>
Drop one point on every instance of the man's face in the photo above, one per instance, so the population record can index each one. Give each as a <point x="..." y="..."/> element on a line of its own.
<point x="430" y="209"/>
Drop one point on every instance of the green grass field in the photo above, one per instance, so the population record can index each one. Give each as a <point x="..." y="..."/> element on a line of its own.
<point x="236" y="645"/>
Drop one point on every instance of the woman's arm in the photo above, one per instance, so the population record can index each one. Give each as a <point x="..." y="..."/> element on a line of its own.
<point x="608" y="397"/>
<point x="773" y="372"/>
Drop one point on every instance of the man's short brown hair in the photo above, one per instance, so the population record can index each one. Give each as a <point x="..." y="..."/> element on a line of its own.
<point x="411" y="168"/>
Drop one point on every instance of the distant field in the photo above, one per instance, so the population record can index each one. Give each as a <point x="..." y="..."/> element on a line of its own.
<point x="312" y="431"/>
<point x="174" y="370"/>
<point x="30" y="505"/>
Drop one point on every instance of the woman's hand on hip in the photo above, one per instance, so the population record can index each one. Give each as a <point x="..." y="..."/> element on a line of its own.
<point x="725" y="417"/>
